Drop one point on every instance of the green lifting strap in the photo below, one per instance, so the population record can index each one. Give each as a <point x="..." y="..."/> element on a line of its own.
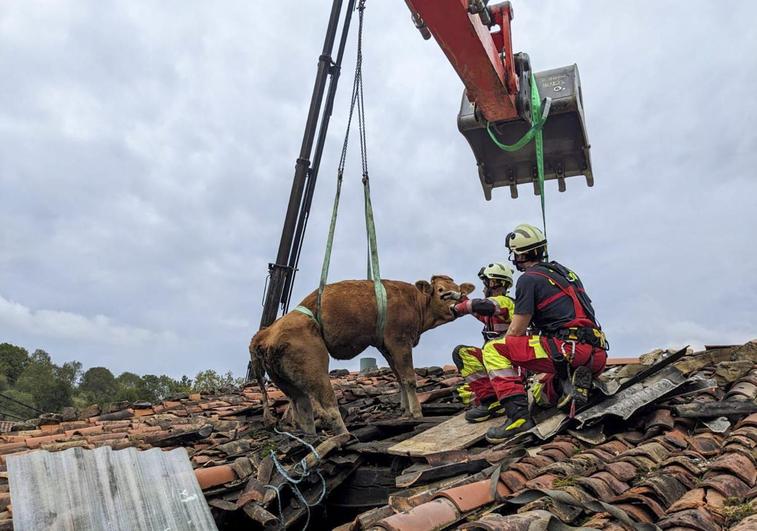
<point x="534" y="133"/>
<point x="373" y="272"/>
<point x="306" y="311"/>
<point x="373" y="269"/>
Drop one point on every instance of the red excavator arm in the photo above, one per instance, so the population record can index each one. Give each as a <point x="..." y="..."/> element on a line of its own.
<point x="476" y="39"/>
<point x="481" y="57"/>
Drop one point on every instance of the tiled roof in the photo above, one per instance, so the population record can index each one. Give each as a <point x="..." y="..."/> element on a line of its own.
<point x="222" y="432"/>
<point x="663" y="469"/>
<point x="683" y="459"/>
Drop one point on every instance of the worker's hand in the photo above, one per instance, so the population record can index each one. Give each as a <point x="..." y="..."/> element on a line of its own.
<point x="451" y="295"/>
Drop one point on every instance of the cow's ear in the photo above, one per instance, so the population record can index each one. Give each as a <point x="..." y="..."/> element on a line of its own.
<point x="467" y="287"/>
<point x="424" y="287"/>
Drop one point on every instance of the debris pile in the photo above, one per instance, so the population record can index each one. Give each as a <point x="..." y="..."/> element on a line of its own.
<point x="671" y="445"/>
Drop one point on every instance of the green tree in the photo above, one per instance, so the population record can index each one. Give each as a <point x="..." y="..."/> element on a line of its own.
<point x="161" y="387"/>
<point x="98" y="385"/>
<point x="13" y="361"/>
<point x="130" y="387"/>
<point x="48" y="385"/>
<point x="210" y="380"/>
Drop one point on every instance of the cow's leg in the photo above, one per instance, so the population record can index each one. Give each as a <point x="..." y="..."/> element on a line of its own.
<point x="324" y="393"/>
<point x="304" y="413"/>
<point x="403" y="395"/>
<point x="402" y="357"/>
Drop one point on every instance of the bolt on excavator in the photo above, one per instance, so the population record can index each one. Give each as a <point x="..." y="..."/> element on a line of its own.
<point x="496" y="111"/>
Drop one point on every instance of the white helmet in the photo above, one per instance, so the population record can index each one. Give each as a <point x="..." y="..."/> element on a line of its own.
<point x="525" y="238"/>
<point x="498" y="271"/>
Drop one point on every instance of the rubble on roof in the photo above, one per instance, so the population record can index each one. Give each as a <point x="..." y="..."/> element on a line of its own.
<point x="678" y="452"/>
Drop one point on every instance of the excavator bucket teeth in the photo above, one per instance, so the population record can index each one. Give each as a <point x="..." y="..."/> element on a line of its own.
<point x="566" y="145"/>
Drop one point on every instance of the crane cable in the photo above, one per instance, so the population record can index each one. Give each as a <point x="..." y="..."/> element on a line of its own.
<point x="539" y="115"/>
<point x="373" y="271"/>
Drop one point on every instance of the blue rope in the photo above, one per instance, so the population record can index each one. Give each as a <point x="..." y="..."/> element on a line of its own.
<point x="303" y="471"/>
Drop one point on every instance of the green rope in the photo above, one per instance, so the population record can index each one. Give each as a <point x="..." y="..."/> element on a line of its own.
<point x="534" y="133"/>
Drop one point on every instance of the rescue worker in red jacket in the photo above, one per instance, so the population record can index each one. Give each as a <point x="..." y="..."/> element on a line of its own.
<point x="495" y="311"/>
<point x="553" y="331"/>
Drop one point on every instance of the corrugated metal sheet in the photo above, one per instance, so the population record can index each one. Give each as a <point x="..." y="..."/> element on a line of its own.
<point x="101" y="489"/>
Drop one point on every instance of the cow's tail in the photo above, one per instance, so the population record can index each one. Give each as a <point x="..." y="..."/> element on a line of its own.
<point x="257" y="355"/>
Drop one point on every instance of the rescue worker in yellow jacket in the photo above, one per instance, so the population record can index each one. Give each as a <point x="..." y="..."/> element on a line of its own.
<point x="495" y="312"/>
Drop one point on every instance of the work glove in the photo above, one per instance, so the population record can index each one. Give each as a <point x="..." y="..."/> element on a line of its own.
<point x="451" y="295"/>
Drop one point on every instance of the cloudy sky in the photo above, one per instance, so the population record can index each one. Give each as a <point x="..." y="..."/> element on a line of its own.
<point x="147" y="151"/>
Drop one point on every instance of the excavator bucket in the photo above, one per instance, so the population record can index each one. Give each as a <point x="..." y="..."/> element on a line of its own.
<point x="566" y="145"/>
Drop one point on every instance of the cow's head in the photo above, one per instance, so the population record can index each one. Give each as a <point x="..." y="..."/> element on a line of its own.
<point x="441" y="309"/>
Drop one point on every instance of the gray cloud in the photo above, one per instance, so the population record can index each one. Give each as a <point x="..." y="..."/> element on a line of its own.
<point x="146" y="155"/>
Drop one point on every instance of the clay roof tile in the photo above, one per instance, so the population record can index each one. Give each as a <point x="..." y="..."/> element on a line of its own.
<point x="597" y="486"/>
<point x="652" y="450"/>
<point x="641" y="496"/>
<point x="690" y="500"/>
<point x="622" y="470"/>
<point x="215" y="475"/>
<point x="660" y="419"/>
<point x="567" y="448"/>
<point x="513" y="479"/>
<point x="473" y="495"/>
<point x="640" y="513"/>
<point x="667" y="488"/>
<point x="614" y="483"/>
<point x="543" y="481"/>
<point x="436" y="514"/>
<point x="697" y="519"/>
<point x="736" y="464"/>
<point x="706" y="444"/>
<point x="726" y="484"/>
<point x="747" y="524"/>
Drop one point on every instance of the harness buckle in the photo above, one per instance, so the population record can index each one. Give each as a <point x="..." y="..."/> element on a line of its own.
<point x="572" y="354"/>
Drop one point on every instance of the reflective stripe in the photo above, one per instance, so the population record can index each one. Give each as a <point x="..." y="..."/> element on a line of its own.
<point x="503" y="373"/>
<point x="465" y="394"/>
<point x="535" y="343"/>
<point x="540" y="394"/>
<point x="474" y="377"/>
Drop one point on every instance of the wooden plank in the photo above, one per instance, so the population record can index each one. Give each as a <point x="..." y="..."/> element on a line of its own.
<point x="453" y="434"/>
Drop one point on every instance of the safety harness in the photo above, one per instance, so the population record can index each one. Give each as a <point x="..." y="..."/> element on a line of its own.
<point x="583" y="328"/>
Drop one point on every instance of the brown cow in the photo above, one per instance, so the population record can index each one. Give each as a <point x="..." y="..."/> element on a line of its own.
<point x="295" y="352"/>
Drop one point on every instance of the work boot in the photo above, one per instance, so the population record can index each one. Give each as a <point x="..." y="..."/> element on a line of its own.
<point x="518" y="420"/>
<point x="576" y="390"/>
<point x="488" y="408"/>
